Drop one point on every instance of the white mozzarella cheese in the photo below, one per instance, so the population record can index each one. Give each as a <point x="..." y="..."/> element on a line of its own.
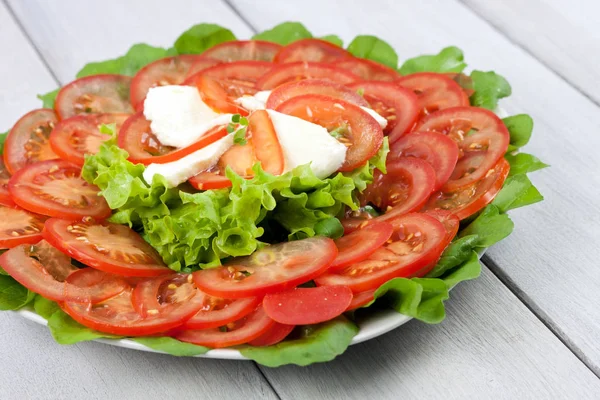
<point x="380" y="120"/>
<point x="256" y="102"/>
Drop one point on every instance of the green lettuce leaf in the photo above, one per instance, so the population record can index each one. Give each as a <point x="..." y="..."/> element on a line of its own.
<point x="489" y="88"/>
<point x="334" y="39"/>
<point x="373" y="48"/>
<point x="520" y="128"/>
<point x="284" y="33"/>
<point x="2" y="140"/>
<point x="523" y="163"/>
<point x="201" y="37"/>
<point x="13" y="295"/>
<point x="65" y="330"/>
<point x="490" y="226"/>
<point x="48" y="98"/>
<point x="44" y="307"/>
<point x="518" y="191"/>
<point x="449" y="59"/>
<point x="454" y="255"/>
<point x="317" y="343"/>
<point x="171" y="346"/>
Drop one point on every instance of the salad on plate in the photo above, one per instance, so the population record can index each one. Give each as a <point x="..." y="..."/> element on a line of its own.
<point x="264" y="195"/>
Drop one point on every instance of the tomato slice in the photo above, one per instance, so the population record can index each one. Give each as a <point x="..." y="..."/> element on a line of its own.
<point x="19" y="226"/>
<point x="304" y="306"/>
<point x="27" y="142"/>
<point x="209" y="180"/>
<point x="136" y="137"/>
<point x="200" y="65"/>
<point x="166" y="71"/>
<point x="360" y="299"/>
<point x="5" y="198"/>
<point x="241" y="331"/>
<point x="92" y="285"/>
<point x="437" y="149"/>
<point x="273" y="268"/>
<point x="481" y="136"/>
<point x="157" y="295"/>
<point x="221" y="95"/>
<point x="216" y="312"/>
<point x="435" y="91"/>
<point x="466" y="201"/>
<point x="314" y="86"/>
<point x="405" y="188"/>
<point x="273" y="336"/>
<point x="397" y="104"/>
<point x="56" y="189"/>
<point x="108" y="247"/>
<point x="265" y="143"/>
<point x="313" y="50"/>
<point x="360" y="244"/>
<point x="360" y="131"/>
<point x="450" y="221"/>
<point x="95" y="94"/>
<point x="239" y="50"/>
<point x="417" y="241"/>
<point x="240" y="73"/>
<point x="77" y="136"/>
<point x="368" y="70"/>
<point x="296" y="71"/>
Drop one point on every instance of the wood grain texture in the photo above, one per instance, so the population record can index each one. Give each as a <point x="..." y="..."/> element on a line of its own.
<point x="563" y="34"/>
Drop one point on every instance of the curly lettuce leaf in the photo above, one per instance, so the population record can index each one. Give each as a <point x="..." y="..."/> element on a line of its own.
<point x="518" y="191"/>
<point x="520" y="128"/>
<point x="44" y="307"/>
<point x="489" y="87"/>
<point x="202" y="37"/>
<point x="490" y="226"/>
<point x="65" y="330"/>
<point x="373" y="48"/>
<point x="284" y="33"/>
<point x="13" y="295"/>
<point x="449" y="59"/>
<point x="524" y="163"/>
<point x="171" y="346"/>
<point x="49" y="98"/>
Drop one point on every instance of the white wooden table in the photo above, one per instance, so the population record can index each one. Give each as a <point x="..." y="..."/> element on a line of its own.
<point x="528" y="328"/>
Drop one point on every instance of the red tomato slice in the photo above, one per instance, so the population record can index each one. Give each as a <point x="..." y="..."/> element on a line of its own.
<point x="314" y="50"/>
<point x="5" y="198"/>
<point x="221" y="95"/>
<point x="136" y="137"/>
<point x="19" y="226"/>
<point x="209" y="180"/>
<point x="166" y="71"/>
<point x="405" y="188"/>
<point x="108" y="247"/>
<point x="27" y="142"/>
<point x="397" y="104"/>
<point x="157" y="295"/>
<point x="216" y="312"/>
<point x="438" y="150"/>
<point x="271" y="269"/>
<point x="314" y="86"/>
<point x="361" y="132"/>
<point x="450" y="221"/>
<point x="239" y="50"/>
<point x="75" y="137"/>
<point x="466" y="201"/>
<point x="91" y="285"/>
<point x="273" y="336"/>
<point x="305" y="306"/>
<point x="368" y="70"/>
<point x="95" y="94"/>
<point x="239" y="73"/>
<point x="200" y="65"/>
<point x="241" y="331"/>
<point x="56" y="189"/>
<point x="360" y="244"/>
<point x="435" y="91"/>
<point x="481" y="136"/>
<point x="265" y="143"/>
<point x="464" y="81"/>
<point x="296" y="71"/>
<point x="361" y="299"/>
<point x="417" y="242"/>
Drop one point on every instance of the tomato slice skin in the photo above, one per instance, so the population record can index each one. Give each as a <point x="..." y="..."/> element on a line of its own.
<point x="265" y="143"/>
<point x="91" y="285"/>
<point x="295" y="71"/>
<point x="360" y="299"/>
<point x="240" y="50"/>
<point x="244" y="73"/>
<point x="271" y="269"/>
<point x="108" y="247"/>
<point x="397" y="104"/>
<point x="30" y="135"/>
<point x="313" y="50"/>
<point x="362" y="131"/>
<point x="5" y="199"/>
<point x="73" y="138"/>
<point x="368" y="70"/>
<point x="95" y="94"/>
<point x="313" y="86"/>
<point x="437" y="149"/>
<point x="241" y="331"/>
<point x="18" y="226"/>
<point x="217" y="312"/>
<point x="273" y="336"/>
<point x="305" y="306"/>
<point x="360" y="244"/>
<point x="56" y="189"/>
<point x="209" y="180"/>
<point x="220" y="95"/>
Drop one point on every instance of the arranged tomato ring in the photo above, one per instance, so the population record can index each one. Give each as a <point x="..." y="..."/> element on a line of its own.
<point x="216" y="312"/>
<point x="209" y="180"/>
<point x="396" y="104"/>
<point x="359" y="130"/>
<point x="27" y="142"/>
<point x="313" y="50"/>
<point x="314" y="86"/>
<point x="296" y="71"/>
<point x="274" y="335"/>
<point x="238" y="73"/>
<point x="221" y="95"/>
<point x="241" y="331"/>
<point x="5" y="199"/>
<point x="108" y="247"/>
<point x="481" y="136"/>
<point x="450" y="221"/>
<point x="265" y="144"/>
<point x="155" y="295"/>
<point x="95" y="94"/>
<point x="466" y="201"/>
<point x="91" y="285"/>
<point x="367" y="69"/>
<point x="361" y="299"/>
<point x="305" y="306"/>
<point x="273" y="268"/>
<point x="360" y="244"/>
<point x="74" y="137"/>
<point x="418" y="241"/>
<point x="166" y="71"/>
<point x="435" y="91"/>
<point x="19" y="226"/>
<point x="56" y="189"/>
<point x="437" y="149"/>
<point x="239" y="50"/>
<point x="200" y="65"/>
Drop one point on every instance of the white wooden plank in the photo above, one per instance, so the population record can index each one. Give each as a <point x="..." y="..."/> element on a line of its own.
<point x="563" y="34"/>
<point x="71" y="33"/>
<point x="552" y="255"/>
<point x="489" y="347"/>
